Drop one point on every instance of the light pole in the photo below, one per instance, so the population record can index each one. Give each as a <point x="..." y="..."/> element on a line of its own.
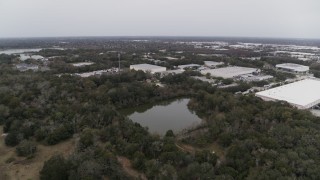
<point x="119" y="61"/>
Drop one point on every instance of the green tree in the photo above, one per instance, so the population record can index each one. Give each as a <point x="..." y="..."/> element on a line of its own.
<point x="56" y="168"/>
<point x="169" y="133"/>
<point x="26" y="148"/>
<point x="86" y="139"/>
<point x="167" y="172"/>
<point x="12" y="139"/>
<point x="90" y="170"/>
<point x="138" y="160"/>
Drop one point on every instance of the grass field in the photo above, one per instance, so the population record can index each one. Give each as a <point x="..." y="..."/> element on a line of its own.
<point x="23" y="169"/>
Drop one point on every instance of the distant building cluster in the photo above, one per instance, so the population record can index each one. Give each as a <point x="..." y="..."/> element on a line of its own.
<point x="303" y="56"/>
<point x="211" y="68"/>
<point x="303" y="53"/>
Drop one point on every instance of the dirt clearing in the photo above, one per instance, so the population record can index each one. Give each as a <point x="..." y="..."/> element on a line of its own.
<point x="20" y="168"/>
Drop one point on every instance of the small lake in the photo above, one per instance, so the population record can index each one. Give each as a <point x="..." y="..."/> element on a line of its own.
<point x="18" y="51"/>
<point x="161" y="117"/>
<point x="21" y="51"/>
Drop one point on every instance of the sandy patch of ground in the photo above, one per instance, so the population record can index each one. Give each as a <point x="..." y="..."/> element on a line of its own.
<point x="21" y="168"/>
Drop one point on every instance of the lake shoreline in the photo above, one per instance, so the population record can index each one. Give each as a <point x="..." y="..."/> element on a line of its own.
<point x="163" y="116"/>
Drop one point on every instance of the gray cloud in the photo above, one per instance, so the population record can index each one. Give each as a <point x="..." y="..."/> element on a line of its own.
<point x="254" y="18"/>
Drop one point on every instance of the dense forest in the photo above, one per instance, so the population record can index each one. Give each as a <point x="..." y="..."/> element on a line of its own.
<point x="261" y="140"/>
<point x="251" y="138"/>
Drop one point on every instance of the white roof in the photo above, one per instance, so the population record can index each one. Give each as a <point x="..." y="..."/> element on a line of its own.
<point x="82" y="64"/>
<point x="294" y="67"/>
<point x="229" y="72"/>
<point x="147" y="67"/>
<point x="212" y="63"/>
<point x="302" y="94"/>
<point x="188" y="66"/>
<point x="24" y="57"/>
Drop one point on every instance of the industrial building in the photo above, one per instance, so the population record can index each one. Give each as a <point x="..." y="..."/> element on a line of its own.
<point x="189" y="66"/>
<point x="302" y="94"/>
<point x="230" y="72"/>
<point x="82" y="64"/>
<point x="212" y="64"/>
<point x="148" y="68"/>
<point x="295" y="68"/>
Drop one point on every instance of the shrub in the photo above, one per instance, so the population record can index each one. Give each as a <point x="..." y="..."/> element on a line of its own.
<point x="12" y="139"/>
<point x="56" y="168"/>
<point x="26" y="148"/>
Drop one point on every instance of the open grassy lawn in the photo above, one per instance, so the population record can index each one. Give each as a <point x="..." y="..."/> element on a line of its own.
<point x="20" y="168"/>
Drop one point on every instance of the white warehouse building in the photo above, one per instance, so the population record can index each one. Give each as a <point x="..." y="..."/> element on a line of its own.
<point x="302" y="94"/>
<point x="148" y="68"/>
<point x="230" y="72"/>
<point x="186" y="66"/>
<point x="212" y="64"/>
<point x="296" y="68"/>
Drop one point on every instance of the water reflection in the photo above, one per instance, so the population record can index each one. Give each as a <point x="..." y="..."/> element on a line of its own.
<point x="164" y="116"/>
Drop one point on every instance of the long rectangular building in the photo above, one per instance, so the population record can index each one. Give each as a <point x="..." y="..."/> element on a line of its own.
<point x="212" y="64"/>
<point x="148" y="68"/>
<point x="291" y="67"/>
<point x="189" y="66"/>
<point x="302" y="94"/>
<point x="229" y="72"/>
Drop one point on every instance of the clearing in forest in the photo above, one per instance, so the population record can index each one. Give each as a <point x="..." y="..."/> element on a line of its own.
<point x="20" y="168"/>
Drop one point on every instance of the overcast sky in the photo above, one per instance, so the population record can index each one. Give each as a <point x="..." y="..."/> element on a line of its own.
<point x="249" y="18"/>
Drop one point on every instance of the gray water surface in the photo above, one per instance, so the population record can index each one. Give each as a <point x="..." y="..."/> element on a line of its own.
<point x="159" y="118"/>
<point x="18" y="51"/>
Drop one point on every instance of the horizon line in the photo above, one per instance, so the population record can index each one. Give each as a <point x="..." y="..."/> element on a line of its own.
<point x="157" y="36"/>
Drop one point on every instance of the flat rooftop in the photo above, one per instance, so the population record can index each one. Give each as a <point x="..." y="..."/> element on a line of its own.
<point x="82" y="64"/>
<point x="229" y="72"/>
<point x="292" y="66"/>
<point x="302" y="94"/>
<point x="213" y="63"/>
<point x="188" y="66"/>
<point x="146" y="66"/>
